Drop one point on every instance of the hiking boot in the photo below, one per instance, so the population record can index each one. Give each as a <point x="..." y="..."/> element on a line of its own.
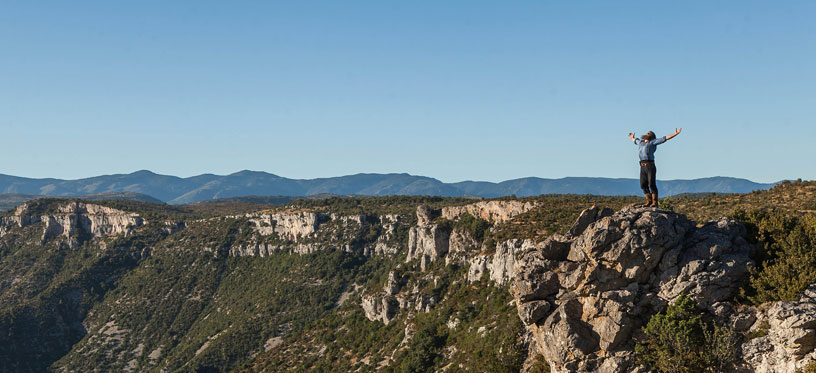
<point x="654" y="200"/>
<point x="648" y="200"/>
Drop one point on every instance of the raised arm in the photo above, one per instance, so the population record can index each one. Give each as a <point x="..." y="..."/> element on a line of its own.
<point x="631" y="136"/>
<point x="676" y="132"/>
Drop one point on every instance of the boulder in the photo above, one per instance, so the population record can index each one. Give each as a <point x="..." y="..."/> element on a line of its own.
<point x="588" y="217"/>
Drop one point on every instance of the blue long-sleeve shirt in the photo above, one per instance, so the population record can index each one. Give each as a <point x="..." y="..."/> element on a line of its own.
<point x="646" y="149"/>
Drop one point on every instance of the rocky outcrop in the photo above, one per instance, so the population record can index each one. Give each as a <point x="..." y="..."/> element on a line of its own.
<point x="288" y="225"/>
<point x="427" y="241"/>
<point x="20" y="218"/>
<point x="787" y="336"/>
<point x="73" y="218"/>
<point x="492" y="211"/>
<point x="302" y="232"/>
<point x="395" y="296"/>
<point x="385" y="244"/>
<point x="460" y="247"/>
<point x="379" y="308"/>
<point x="392" y="285"/>
<point x="584" y="294"/>
<point x="501" y="265"/>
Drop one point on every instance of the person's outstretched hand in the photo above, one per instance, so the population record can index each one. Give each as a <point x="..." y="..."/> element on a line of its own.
<point x="677" y="130"/>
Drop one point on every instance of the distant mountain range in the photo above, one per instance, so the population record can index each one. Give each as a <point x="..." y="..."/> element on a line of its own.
<point x="176" y="190"/>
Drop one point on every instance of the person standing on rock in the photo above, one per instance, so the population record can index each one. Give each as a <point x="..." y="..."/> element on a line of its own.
<point x="647" y="145"/>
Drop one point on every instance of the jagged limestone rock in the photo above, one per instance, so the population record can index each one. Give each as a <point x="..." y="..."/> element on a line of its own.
<point x="478" y="266"/>
<point x="75" y="217"/>
<point x="289" y="225"/>
<point x="556" y="247"/>
<point x="501" y="265"/>
<point x="621" y="268"/>
<point x="530" y="312"/>
<point x="588" y="217"/>
<point x="492" y="211"/>
<point x="308" y="232"/>
<point x="788" y="345"/>
<point x="535" y="279"/>
<point x="712" y="261"/>
<point x="461" y="244"/>
<point x="392" y="285"/>
<point x="425" y="215"/>
<point x="427" y="243"/>
<point x="379" y="308"/>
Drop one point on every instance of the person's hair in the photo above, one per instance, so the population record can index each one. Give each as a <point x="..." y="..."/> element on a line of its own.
<point x="648" y="136"/>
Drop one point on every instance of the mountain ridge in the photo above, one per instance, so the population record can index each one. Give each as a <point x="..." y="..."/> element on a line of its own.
<point x="178" y="190"/>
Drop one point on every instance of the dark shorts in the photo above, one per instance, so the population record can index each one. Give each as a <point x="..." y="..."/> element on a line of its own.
<point x="648" y="180"/>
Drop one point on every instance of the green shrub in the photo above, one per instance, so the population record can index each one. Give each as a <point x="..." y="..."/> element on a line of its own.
<point x="478" y="228"/>
<point x="424" y="349"/>
<point x="810" y="368"/>
<point x="666" y="204"/>
<point x="680" y="340"/>
<point x="786" y="257"/>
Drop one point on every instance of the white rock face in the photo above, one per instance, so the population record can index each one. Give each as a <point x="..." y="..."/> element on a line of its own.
<point x="492" y="211"/>
<point x="501" y="265"/>
<point x="392" y="285"/>
<point x="21" y="218"/>
<point x="478" y="266"/>
<point x="289" y="225"/>
<point x="72" y="217"/>
<point x="460" y="247"/>
<point x="309" y="232"/>
<point x="379" y="308"/>
<point x="427" y="243"/>
<point x="791" y="337"/>
<point x="261" y="250"/>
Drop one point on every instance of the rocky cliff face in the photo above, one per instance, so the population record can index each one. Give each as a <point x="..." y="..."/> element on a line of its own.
<point x="492" y="211"/>
<point x="289" y="225"/>
<point x="72" y="218"/>
<point x="305" y="232"/>
<point x="429" y="242"/>
<point x="499" y="266"/>
<point x="584" y="296"/>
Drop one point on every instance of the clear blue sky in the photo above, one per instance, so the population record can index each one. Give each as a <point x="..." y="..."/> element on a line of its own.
<point x="456" y="90"/>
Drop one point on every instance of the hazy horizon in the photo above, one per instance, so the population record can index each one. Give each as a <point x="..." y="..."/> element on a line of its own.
<point x="388" y="173"/>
